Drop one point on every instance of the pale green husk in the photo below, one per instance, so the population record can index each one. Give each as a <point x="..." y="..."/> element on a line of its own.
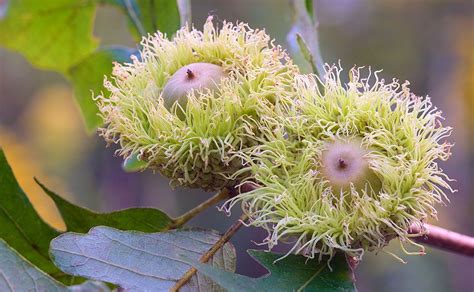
<point x="196" y="150"/>
<point x="404" y="138"/>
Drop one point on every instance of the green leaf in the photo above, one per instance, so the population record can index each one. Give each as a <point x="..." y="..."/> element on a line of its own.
<point x="81" y="220"/>
<point x="149" y="16"/>
<point x="20" y="226"/>
<point x="139" y="261"/>
<point x="309" y="6"/>
<point x="306" y="52"/>
<point x="24" y="230"/>
<point x="293" y="273"/>
<point x="162" y="15"/>
<point x="17" y="274"/>
<point x="88" y="80"/>
<point x="53" y="34"/>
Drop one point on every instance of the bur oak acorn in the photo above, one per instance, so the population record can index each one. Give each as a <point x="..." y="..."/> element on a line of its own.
<point x="348" y="167"/>
<point x="192" y="104"/>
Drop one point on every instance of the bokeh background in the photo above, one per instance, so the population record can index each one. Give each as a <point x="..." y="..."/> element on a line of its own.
<point x="430" y="43"/>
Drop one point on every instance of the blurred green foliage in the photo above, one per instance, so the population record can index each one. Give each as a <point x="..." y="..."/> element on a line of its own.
<point x="58" y="35"/>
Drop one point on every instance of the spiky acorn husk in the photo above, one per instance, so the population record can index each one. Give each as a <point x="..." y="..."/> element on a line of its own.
<point x="196" y="149"/>
<point x="403" y="138"/>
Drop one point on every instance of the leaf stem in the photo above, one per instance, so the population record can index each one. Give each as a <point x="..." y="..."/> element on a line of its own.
<point x="444" y="239"/>
<point x="184" y="7"/>
<point x="134" y="18"/>
<point x="211" y="252"/>
<point x="183" y="219"/>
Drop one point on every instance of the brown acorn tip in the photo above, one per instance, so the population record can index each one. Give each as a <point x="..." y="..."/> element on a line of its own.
<point x="189" y="74"/>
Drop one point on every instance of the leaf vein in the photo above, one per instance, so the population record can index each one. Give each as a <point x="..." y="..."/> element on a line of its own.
<point x="114" y="265"/>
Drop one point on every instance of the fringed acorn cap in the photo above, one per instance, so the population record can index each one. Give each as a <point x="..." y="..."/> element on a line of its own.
<point x="190" y="103"/>
<point x="351" y="167"/>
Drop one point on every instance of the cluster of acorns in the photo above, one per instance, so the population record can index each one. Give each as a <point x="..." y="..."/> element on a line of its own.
<point x="337" y="166"/>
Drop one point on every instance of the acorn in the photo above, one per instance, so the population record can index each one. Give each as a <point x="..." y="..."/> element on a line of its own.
<point x="191" y="77"/>
<point x="194" y="103"/>
<point x="356" y="167"/>
<point x="344" y="163"/>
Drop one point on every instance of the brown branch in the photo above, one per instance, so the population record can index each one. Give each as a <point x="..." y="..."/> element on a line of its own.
<point x="444" y="239"/>
<point x="352" y="262"/>
<point x="183" y="219"/>
<point x="211" y="252"/>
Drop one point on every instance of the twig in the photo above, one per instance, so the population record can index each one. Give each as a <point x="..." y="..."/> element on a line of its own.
<point x="444" y="239"/>
<point x="211" y="252"/>
<point x="184" y="7"/>
<point x="183" y="219"/>
<point x="352" y="262"/>
<point x="308" y="29"/>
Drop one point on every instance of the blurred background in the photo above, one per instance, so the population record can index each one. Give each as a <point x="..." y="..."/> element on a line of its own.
<point x="430" y="43"/>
